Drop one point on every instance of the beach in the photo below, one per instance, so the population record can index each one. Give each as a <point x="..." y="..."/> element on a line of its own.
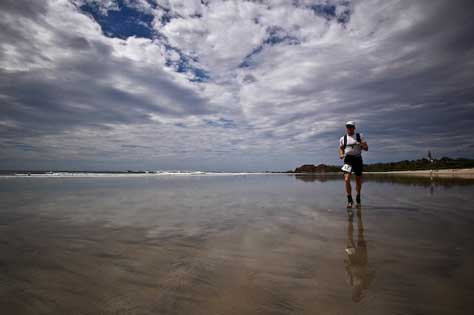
<point x="457" y="173"/>
<point x="260" y="244"/>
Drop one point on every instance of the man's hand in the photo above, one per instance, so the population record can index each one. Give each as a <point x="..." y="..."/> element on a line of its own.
<point x="341" y="156"/>
<point x="364" y="146"/>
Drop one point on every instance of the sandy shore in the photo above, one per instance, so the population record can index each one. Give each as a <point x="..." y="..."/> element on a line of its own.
<point x="458" y="173"/>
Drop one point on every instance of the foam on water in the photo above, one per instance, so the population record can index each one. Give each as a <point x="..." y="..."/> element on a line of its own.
<point x="131" y="174"/>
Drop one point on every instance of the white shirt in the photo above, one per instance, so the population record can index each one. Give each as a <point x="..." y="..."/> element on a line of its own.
<point x="351" y="147"/>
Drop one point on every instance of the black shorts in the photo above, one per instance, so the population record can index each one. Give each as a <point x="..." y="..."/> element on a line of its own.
<point x="356" y="162"/>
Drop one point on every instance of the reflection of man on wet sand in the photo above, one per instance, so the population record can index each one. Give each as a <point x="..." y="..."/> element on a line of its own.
<point x="358" y="274"/>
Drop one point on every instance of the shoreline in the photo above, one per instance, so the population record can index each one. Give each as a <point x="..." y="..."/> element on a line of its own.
<point x="448" y="173"/>
<point x="123" y="174"/>
<point x="466" y="173"/>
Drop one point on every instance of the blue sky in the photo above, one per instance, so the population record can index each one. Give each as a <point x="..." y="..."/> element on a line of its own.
<point x="231" y="85"/>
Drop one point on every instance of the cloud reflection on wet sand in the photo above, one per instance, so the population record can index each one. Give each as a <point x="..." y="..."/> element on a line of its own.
<point x="266" y="244"/>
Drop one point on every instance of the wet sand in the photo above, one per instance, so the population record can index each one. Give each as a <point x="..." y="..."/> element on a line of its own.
<point x="234" y="245"/>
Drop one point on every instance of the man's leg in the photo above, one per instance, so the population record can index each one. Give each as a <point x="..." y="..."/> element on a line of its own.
<point x="347" y="179"/>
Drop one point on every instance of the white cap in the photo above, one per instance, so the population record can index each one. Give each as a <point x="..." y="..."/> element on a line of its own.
<point x="350" y="123"/>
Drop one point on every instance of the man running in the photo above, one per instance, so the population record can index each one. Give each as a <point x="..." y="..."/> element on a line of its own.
<point x="350" y="150"/>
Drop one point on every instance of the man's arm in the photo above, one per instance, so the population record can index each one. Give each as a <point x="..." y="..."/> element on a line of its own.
<point x="364" y="146"/>
<point x="341" y="152"/>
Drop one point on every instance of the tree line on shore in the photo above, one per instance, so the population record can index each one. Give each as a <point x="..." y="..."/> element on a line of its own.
<point x="406" y="165"/>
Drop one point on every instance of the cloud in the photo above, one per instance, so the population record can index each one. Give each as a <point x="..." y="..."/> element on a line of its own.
<point x="192" y="84"/>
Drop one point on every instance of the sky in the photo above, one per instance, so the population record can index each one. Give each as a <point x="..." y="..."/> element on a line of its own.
<point x="232" y="85"/>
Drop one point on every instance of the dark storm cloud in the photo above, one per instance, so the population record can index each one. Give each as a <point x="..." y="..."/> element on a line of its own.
<point x="446" y="24"/>
<point x="12" y="12"/>
<point x="43" y="104"/>
<point x="438" y="84"/>
<point x="30" y="9"/>
<point x="420" y="98"/>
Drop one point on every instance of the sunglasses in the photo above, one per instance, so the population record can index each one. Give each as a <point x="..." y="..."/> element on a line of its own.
<point x="349" y="126"/>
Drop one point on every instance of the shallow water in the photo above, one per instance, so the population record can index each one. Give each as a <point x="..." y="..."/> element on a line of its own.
<point x="256" y="244"/>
